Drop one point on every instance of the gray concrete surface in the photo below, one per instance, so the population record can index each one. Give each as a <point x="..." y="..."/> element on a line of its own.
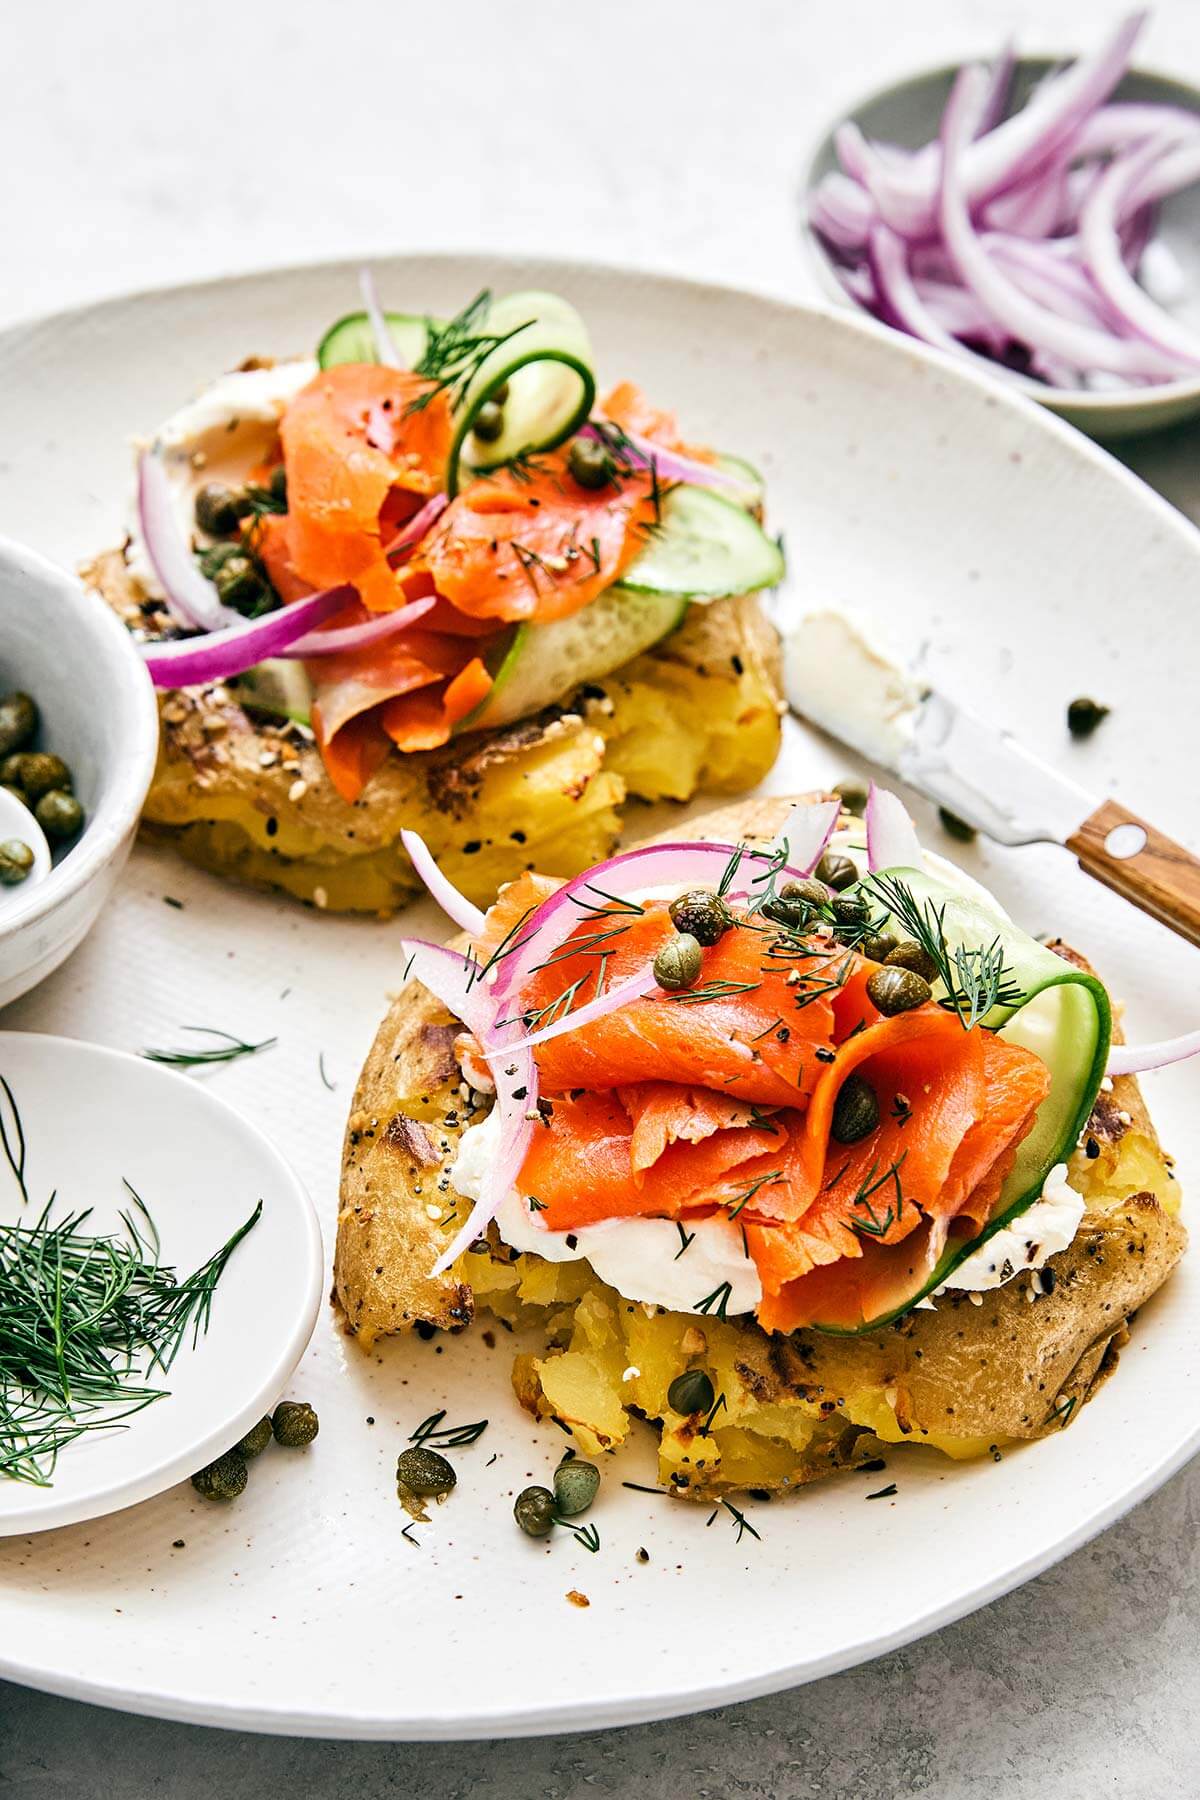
<point x="141" y="143"/>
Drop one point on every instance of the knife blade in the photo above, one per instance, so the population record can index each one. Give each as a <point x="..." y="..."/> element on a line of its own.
<point x="983" y="774"/>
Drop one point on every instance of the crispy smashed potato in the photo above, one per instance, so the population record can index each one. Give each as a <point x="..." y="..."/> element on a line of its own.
<point x="968" y="1376"/>
<point x="249" y="798"/>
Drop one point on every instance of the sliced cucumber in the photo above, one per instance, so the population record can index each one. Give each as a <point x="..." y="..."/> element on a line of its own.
<point x="751" y="490"/>
<point x="1064" y="1016"/>
<point x="545" y="360"/>
<point x="543" y="663"/>
<point x="279" y="687"/>
<point x="707" y="547"/>
<point x="351" y="340"/>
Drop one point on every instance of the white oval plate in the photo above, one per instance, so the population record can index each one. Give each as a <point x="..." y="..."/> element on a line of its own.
<point x="92" y="1120"/>
<point x="1035" y="568"/>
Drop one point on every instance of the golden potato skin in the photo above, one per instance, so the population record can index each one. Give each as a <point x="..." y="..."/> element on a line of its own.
<point x="965" y="1378"/>
<point x="250" y="799"/>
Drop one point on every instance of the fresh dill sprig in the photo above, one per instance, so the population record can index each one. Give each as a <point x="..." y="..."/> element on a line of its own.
<point x="232" y="1048"/>
<point x="587" y="1535"/>
<point x="14" y="1153"/>
<point x="975" y="979"/>
<point x="447" y="1437"/>
<point x="685" y="1238"/>
<point x="717" y="1301"/>
<point x="84" y="1319"/>
<point x="741" y="1522"/>
<point x="455" y="352"/>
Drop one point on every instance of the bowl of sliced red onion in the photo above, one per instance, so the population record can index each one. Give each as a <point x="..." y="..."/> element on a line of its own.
<point x="1039" y="219"/>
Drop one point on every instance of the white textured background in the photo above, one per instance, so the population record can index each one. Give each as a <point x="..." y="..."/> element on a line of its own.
<point x="142" y="144"/>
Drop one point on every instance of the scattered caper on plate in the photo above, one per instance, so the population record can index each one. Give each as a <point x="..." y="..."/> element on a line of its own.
<point x="294" y="1424"/>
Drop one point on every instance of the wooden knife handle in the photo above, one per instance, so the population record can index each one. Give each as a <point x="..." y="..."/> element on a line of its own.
<point x="1142" y="865"/>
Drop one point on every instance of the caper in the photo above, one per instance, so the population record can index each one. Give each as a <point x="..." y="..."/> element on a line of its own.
<point x="18" y="722"/>
<point x="223" y="1479"/>
<point x="16" y="860"/>
<point x="908" y="954"/>
<point x="701" y="914"/>
<point x="853" y="796"/>
<point x="879" y="947"/>
<point x="220" y="509"/>
<point x="424" y="1473"/>
<point x="237" y="581"/>
<point x="488" y="422"/>
<point x="850" y="911"/>
<point x="59" y="814"/>
<point x="35" y="772"/>
<point x="294" y="1423"/>
<point x="893" y="989"/>
<point x="1084" y="714"/>
<point x="955" y="827"/>
<point x="589" y="462"/>
<point x="837" y="871"/>
<point x="576" y="1485"/>
<point x="678" y="963"/>
<point x="17" y="793"/>
<point x="691" y="1392"/>
<point x="534" y="1511"/>
<point x="255" y="1440"/>
<point x="796" y="902"/>
<point x="855" y="1111"/>
<point x="278" y="484"/>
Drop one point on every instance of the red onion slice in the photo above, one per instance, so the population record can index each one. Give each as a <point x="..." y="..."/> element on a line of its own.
<point x="416" y="529"/>
<point x="375" y="630"/>
<point x="454" y="904"/>
<point x="454" y="981"/>
<point x="1031" y="324"/>
<point x="191" y="597"/>
<point x="892" y="841"/>
<point x="908" y="198"/>
<point x="669" y="463"/>
<point x="385" y="345"/>
<point x="634" y="989"/>
<point x="1136" y="1059"/>
<point x="1106" y="265"/>
<point x="189" y="662"/>
<point x="802" y="838"/>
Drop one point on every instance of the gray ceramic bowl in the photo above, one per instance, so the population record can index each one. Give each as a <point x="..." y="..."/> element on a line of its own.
<point x="909" y="113"/>
<point x="72" y="654"/>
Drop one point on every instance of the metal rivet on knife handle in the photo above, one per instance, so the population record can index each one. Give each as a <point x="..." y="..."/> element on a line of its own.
<point x="1141" y="865"/>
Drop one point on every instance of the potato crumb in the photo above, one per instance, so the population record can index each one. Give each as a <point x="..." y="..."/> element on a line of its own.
<point x="576" y="1598"/>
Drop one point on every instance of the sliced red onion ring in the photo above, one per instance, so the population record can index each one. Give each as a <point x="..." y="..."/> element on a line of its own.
<point x="1136" y="1059"/>
<point x="191" y="597"/>
<point x="634" y="989"/>
<point x="417" y="528"/>
<point x="908" y="198"/>
<point x="892" y="841"/>
<point x="454" y="904"/>
<point x="454" y="980"/>
<point x="802" y="838"/>
<point x="1031" y="324"/>
<point x="670" y="465"/>
<point x="385" y="344"/>
<point x="1106" y="265"/>
<point x="188" y="662"/>
<point x="359" y="637"/>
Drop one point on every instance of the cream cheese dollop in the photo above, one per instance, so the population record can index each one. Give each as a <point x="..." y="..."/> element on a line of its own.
<point x="1037" y="1234"/>
<point x="230" y="427"/>
<point x="641" y="1258"/>
<point x="843" y="682"/>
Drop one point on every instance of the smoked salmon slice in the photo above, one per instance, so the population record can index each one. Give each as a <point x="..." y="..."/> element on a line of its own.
<point x="538" y="545"/>
<point x="354" y="435"/>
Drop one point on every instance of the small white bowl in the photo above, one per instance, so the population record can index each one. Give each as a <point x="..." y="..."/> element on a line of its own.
<point x="65" y="648"/>
<point x="909" y="113"/>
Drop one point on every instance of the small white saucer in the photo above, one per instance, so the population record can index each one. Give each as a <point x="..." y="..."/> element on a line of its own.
<point x="94" y="1119"/>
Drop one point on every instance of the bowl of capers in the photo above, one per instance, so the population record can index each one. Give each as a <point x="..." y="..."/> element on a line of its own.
<point x="78" y="741"/>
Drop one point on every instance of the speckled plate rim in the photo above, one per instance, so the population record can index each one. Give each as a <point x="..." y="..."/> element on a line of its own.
<point x="478" y="1722"/>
